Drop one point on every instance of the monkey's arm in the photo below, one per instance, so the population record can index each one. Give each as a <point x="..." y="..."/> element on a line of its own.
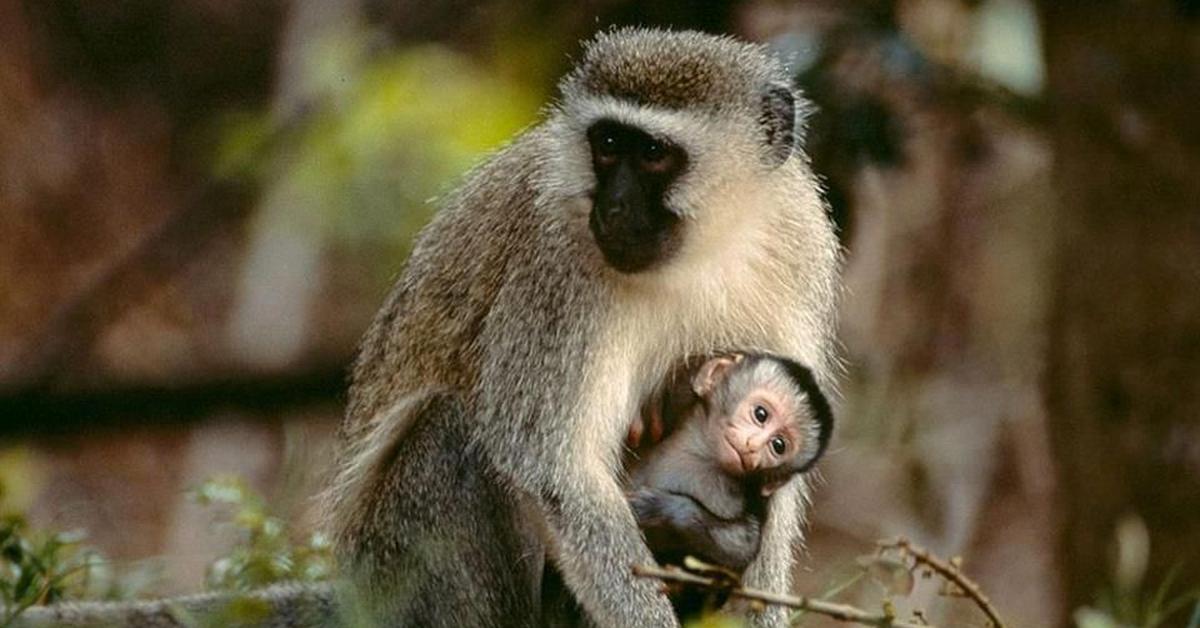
<point x="548" y="435"/>
<point x="597" y="545"/>
<point x="677" y="523"/>
<point x="782" y="532"/>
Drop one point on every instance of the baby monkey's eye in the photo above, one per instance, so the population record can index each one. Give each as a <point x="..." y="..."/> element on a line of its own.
<point x="761" y="414"/>
<point x="778" y="445"/>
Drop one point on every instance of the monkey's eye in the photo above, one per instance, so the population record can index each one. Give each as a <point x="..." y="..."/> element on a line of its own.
<point x="606" y="147"/>
<point x="607" y="144"/>
<point x="653" y="151"/>
<point x="656" y="157"/>
<point x="760" y="414"/>
<point x="778" y="445"/>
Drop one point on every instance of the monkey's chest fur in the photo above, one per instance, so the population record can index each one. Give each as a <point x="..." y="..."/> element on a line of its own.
<point x="730" y="304"/>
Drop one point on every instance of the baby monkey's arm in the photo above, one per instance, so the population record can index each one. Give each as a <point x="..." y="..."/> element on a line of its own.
<point x="676" y="523"/>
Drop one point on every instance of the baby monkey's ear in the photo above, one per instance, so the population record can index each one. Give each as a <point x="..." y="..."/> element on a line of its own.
<point x="713" y="372"/>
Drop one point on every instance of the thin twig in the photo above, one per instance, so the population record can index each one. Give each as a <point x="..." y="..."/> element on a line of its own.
<point x="843" y="612"/>
<point x="948" y="571"/>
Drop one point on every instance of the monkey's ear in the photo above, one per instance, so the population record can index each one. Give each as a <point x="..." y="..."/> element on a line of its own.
<point x="778" y="119"/>
<point x="712" y="373"/>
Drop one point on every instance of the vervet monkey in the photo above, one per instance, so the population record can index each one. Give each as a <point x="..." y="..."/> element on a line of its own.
<point x="742" y="426"/>
<point x="661" y="210"/>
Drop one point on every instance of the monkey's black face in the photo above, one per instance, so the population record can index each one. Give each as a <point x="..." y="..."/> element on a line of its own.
<point x="632" y="226"/>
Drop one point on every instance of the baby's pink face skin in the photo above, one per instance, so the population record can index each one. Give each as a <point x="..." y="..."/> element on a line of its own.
<point x="760" y="434"/>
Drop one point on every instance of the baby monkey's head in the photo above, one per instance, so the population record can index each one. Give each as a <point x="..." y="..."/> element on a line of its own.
<point x="765" y="417"/>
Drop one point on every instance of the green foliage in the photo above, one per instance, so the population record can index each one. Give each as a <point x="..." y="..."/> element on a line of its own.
<point x="43" y="568"/>
<point x="1126" y="601"/>
<point x="1128" y="610"/>
<point x="380" y="135"/>
<point x="716" y="620"/>
<point x="265" y="552"/>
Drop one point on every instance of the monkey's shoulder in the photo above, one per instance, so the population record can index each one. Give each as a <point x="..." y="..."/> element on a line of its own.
<point x="487" y="231"/>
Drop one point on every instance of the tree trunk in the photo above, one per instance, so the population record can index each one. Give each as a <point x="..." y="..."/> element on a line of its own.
<point x="1123" y="368"/>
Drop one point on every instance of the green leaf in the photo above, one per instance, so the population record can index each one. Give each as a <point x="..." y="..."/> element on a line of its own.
<point x="1091" y="618"/>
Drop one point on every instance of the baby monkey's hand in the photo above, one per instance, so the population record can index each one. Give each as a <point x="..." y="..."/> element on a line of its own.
<point x="648" y="423"/>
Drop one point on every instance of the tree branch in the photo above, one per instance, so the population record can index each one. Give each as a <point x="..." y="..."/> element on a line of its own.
<point x="948" y="571"/>
<point x="46" y="410"/>
<point x="842" y="612"/>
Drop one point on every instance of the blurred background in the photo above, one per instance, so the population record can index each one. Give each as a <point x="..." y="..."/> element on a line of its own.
<point x="202" y="203"/>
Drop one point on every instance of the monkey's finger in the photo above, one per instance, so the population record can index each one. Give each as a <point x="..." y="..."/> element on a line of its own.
<point x="635" y="433"/>
<point x="656" y="425"/>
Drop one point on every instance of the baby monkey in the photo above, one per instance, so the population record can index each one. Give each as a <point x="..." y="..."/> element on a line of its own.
<point x="738" y="427"/>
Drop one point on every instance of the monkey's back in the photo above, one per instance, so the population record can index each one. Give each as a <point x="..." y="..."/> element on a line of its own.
<point x="426" y="332"/>
<point x="425" y="336"/>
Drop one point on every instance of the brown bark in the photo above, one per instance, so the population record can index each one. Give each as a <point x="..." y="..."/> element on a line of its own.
<point x="1123" y="368"/>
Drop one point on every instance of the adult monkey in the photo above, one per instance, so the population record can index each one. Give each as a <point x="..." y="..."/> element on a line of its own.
<point x="661" y="210"/>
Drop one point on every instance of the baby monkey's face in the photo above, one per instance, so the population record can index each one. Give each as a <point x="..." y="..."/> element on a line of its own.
<point x="757" y="419"/>
<point x="758" y="430"/>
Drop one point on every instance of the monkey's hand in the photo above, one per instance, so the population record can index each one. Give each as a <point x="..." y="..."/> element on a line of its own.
<point x="648" y="423"/>
<point x="669" y="404"/>
<point x="598" y="545"/>
<point x="675" y="523"/>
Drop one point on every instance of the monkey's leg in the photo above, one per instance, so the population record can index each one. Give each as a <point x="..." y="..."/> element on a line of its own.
<point x="444" y="543"/>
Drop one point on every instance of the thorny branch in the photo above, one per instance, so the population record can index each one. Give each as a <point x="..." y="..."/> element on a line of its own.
<point x="949" y="571"/>
<point x="842" y="612"/>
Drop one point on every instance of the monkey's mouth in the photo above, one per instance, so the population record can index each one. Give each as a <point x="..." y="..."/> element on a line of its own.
<point x="730" y="458"/>
<point x="630" y="248"/>
<point x="633" y="239"/>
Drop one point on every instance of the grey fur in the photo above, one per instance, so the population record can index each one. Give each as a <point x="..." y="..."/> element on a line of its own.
<point x="675" y="70"/>
<point x="676" y="524"/>
<point x="494" y="388"/>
